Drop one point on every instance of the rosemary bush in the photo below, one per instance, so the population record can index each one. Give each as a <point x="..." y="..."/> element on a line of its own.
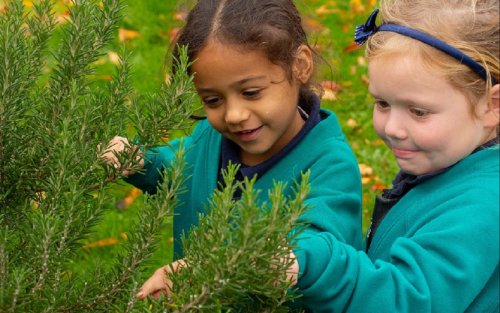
<point x="55" y="121"/>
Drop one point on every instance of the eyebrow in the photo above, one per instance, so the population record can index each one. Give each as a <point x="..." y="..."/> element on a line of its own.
<point x="239" y="82"/>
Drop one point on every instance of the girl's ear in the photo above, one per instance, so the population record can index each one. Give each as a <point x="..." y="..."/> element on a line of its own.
<point x="303" y="64"/>
<point x="492" y="114"/>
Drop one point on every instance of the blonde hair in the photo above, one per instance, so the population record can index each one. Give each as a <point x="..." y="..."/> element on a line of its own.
<point x="471" y="26"/>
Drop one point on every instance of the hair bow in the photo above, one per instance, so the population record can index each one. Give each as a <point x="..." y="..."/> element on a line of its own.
<point x="362" y="32"/>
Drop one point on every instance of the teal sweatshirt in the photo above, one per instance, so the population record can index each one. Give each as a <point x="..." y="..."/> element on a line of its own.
<point x="335" y="186"/>
<point x="437" y="250"/>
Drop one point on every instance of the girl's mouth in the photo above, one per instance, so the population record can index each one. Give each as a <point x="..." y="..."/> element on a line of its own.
<point x="248" y="135"/>
<point x="402" y="154"/>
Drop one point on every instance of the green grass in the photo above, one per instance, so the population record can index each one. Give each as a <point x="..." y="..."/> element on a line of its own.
<point x="330" y="30"/>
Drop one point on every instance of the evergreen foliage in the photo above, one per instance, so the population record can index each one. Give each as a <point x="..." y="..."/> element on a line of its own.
<point x="245" y="266"/>
<point x="54" y="186"/>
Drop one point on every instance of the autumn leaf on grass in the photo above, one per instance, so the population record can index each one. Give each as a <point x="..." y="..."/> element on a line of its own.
<point x="101" y="243"/>
<point x="129" y="199"/>
<point x="325" y="10"/>
<point x="352" y="123"/>
<point x="357" y="6"/>
<point x="181" y="14"/>
<point x="28" y="3"/>
<point x="111" y="241"/>
<point x="352" y="47"/>
<point x="330" y="89"/>
<point x="366" y="173"/>
<point x="114" y="58"/>
<point x="378" y="186"/>
<point x="103" y="77"/>
<point x="127" y="34"/>
<point x="365" y="79"/>
<point x="313" y="26"/>
<point x="63" y="17"/>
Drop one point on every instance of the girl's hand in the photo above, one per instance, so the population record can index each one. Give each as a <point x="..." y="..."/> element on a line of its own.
<point x="293" y="271"/>
<point x="116" y="145"/>
<point x="159" y="282"/>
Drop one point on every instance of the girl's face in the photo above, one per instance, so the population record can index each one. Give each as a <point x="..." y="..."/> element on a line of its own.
<point x="427" y="123"/>
<point x="247" y="99"/>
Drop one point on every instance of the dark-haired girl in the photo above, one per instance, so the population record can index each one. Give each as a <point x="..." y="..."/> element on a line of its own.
<point x="252" y="68"/>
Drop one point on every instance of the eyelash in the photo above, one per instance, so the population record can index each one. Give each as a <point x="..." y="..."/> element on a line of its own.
<point x="381" y="105"/>
<point x="416" y="112"/>
<point x="419" y="113"/>
<point x="214" y="101"/>
<point x="211" y="101"/>
<point x="251" y="93"/>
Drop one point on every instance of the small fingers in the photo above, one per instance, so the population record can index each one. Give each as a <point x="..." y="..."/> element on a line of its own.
<point x="115" y="145"/>
<point x="157" y="284"/>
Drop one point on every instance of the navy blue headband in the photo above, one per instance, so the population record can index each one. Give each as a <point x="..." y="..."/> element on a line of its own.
<point x="369" y="28"/>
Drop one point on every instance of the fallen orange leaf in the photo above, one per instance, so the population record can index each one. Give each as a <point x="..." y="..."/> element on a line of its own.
<point x="361" y="61"/>
<point x="351" y="123"/>
<point x="365" y="79"/>
<point x="313" y="25"/>
<point x="346" y="28"/>
<point x="379" y="142"/>
<point x="129" y="199"/>
<point x="101" y="243"/>
<point x="365" y="170"/>
<point x="352" y="47"/>
<point x="378" y="187"/>
<point x="330" y="89"/>
<point x="63" y="17"/>
<point x="325" y="10"/>
<point x="365" y="180"/>
<point x="181" y="14"/>
<point x="114" y="58"/>
<point x="331" y="85"/>
<point x="127" y="34"/>
<point x="329" y="95"/>
<point x="28" y="3"/>
<point x="104" y="77"/>
<point x="357" y="6"/>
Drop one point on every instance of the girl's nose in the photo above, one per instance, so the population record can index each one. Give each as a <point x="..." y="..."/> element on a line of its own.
<point x="395" y="126"/>
<point x="236" y="112"/>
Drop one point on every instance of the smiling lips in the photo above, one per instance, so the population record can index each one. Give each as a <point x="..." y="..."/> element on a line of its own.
<point x="248" y="135"/>
<point x="400" y="153"/>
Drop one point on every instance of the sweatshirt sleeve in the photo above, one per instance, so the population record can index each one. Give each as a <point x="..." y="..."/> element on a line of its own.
<point x="156" y="160"/>
<point x="445" y="262"/>
<point x="334" y="211"/>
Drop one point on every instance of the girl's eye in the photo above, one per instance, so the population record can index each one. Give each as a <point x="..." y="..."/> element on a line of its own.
<point x="251" y="93"/>
<point x="419" y="113"/>
<point x="211" y="101"/>
<point x="382" y="105"/>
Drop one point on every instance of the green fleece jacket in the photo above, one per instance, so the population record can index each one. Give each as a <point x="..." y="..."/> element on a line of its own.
<point x="335" y="186"/>
<point x="437" y="250"/>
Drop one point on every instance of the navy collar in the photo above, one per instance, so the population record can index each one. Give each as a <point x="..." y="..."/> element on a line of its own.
<point x="230" y="152"/>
